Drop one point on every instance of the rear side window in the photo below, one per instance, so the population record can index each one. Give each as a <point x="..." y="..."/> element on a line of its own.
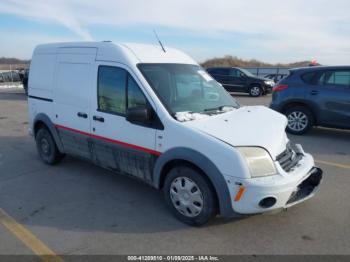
<point x="309" y="78"/>
<point x="341" y="78"/>
<point x="235" y="73"/>
<point x="117" y="91"/>
<point x="220" y="71"/>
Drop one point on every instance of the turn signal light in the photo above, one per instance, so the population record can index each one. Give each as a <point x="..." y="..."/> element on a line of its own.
<point x="239" y="193"/>
<point x="279" y="88"/>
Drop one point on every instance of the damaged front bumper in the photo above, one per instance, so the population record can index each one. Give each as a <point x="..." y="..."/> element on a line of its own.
<point x="280" y="191"/>
<point x="306" y="188"/>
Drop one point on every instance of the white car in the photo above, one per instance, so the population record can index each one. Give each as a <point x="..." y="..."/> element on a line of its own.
<point x="156" y="115"/>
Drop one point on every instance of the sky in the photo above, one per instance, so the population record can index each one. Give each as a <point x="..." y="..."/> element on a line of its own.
<point x="268" y="30"/>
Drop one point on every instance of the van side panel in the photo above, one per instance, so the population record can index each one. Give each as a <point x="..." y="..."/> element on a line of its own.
<point x="41" y="79"/>
<point x="123" y="159"/>
<point x="41" y="75"/>
<point x="72" y="95"/>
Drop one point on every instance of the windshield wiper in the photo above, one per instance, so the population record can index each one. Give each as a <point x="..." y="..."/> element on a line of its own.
<point x="218" y="108"/>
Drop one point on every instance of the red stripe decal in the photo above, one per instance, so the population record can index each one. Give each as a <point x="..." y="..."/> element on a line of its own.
<point x="147" y="150"/>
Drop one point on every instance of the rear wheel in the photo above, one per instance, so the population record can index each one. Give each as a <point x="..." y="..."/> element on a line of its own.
<point x="255" y="91"/>
<point x="190" y="196"/>
<point x="300" y="120"/>
<point x="47" y="147"/>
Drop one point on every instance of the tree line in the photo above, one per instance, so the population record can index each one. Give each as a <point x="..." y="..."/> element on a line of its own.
<point x="13" y="61"/>
<point x="233" y="61"/>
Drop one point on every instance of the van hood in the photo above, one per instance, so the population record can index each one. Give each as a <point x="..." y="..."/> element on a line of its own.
<point x="260" y="78"/>
<point x="263" y="79"/>
<point x="247" y="126"/>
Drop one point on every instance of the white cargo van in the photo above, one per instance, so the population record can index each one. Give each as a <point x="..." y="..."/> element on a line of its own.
<point x="156" y="115"/>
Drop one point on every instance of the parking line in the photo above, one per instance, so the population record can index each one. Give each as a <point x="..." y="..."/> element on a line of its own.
<point x="31" y="241"/>
<point x="333" y="164"/>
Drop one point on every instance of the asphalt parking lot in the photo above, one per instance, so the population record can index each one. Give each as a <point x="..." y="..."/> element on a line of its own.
<point x="78" y="208"/>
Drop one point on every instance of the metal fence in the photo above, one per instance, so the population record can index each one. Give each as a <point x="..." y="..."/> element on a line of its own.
<point x="263" y="71"/>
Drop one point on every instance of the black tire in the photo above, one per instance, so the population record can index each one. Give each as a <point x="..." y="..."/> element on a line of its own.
<point x="47" y="147"/>
<point x="209" y="205"/>
<point x="255" y="91"/>
<point x="305" y="114"/>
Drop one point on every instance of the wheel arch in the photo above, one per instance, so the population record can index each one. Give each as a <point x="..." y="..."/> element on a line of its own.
<point x="289" y="105"/>
<point x="42" y="120"/>
<point x="255" y="84"/>
<point x="197" y="160"/>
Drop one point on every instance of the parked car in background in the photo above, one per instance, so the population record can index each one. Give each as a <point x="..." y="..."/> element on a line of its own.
<point x="235" y="79"/>
<point x="314" y="96"/>
<point x="11" y="76"/>
<point x="275" y="77"/>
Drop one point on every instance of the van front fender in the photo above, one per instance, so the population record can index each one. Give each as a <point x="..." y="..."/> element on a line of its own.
<point x="206" y="165"/>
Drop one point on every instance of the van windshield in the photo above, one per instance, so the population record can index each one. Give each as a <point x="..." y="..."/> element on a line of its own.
<point x="185" y="88"/>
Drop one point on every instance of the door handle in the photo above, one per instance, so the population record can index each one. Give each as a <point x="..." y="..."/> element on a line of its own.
<point x="314" y="92"/>
<point x="98" y="118"/>
<point x="82" y="115"/>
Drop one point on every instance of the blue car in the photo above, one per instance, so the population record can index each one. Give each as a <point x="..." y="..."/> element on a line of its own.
<point x="314" y="96"/>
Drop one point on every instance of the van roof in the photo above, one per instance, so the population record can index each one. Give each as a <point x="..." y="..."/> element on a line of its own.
<point x="120" y="52"/>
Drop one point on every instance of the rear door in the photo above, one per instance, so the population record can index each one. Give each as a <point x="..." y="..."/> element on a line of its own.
<point x="117" y="143"/>
<point x="237" y="79"/>
<point x="222" y="75"/>
<point x="72" y="93"/>
<point x="332" y="94"/>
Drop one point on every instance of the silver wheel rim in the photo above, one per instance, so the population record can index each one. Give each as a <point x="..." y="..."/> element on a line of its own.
<point x="45" y="146"/>
<point x="186" y="197"/>
<point x="255" y="91"/>
<point x="297" y="121"/>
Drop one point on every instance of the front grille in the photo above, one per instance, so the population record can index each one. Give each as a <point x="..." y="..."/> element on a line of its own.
<point x="288" y="159"/>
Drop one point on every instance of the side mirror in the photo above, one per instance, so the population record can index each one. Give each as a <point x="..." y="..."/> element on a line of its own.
<point x="138" y="114"/>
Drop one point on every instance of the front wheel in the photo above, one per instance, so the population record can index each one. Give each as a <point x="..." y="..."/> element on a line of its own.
<point x="190" y="196"/>
<point x="255" y="91"/>
<point x="300" y="120"/>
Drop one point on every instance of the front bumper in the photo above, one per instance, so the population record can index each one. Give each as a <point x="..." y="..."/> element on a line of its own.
<point x="307" y="188"/>
<point x="276" y="192"/>
<point x="268" y="88"/>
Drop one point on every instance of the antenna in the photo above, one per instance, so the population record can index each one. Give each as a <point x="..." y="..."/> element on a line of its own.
<point x="160" y="43"/>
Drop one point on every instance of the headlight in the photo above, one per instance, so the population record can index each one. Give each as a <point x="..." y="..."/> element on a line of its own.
<point x="258" y="160"/>
<point x="269" y="82"/>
